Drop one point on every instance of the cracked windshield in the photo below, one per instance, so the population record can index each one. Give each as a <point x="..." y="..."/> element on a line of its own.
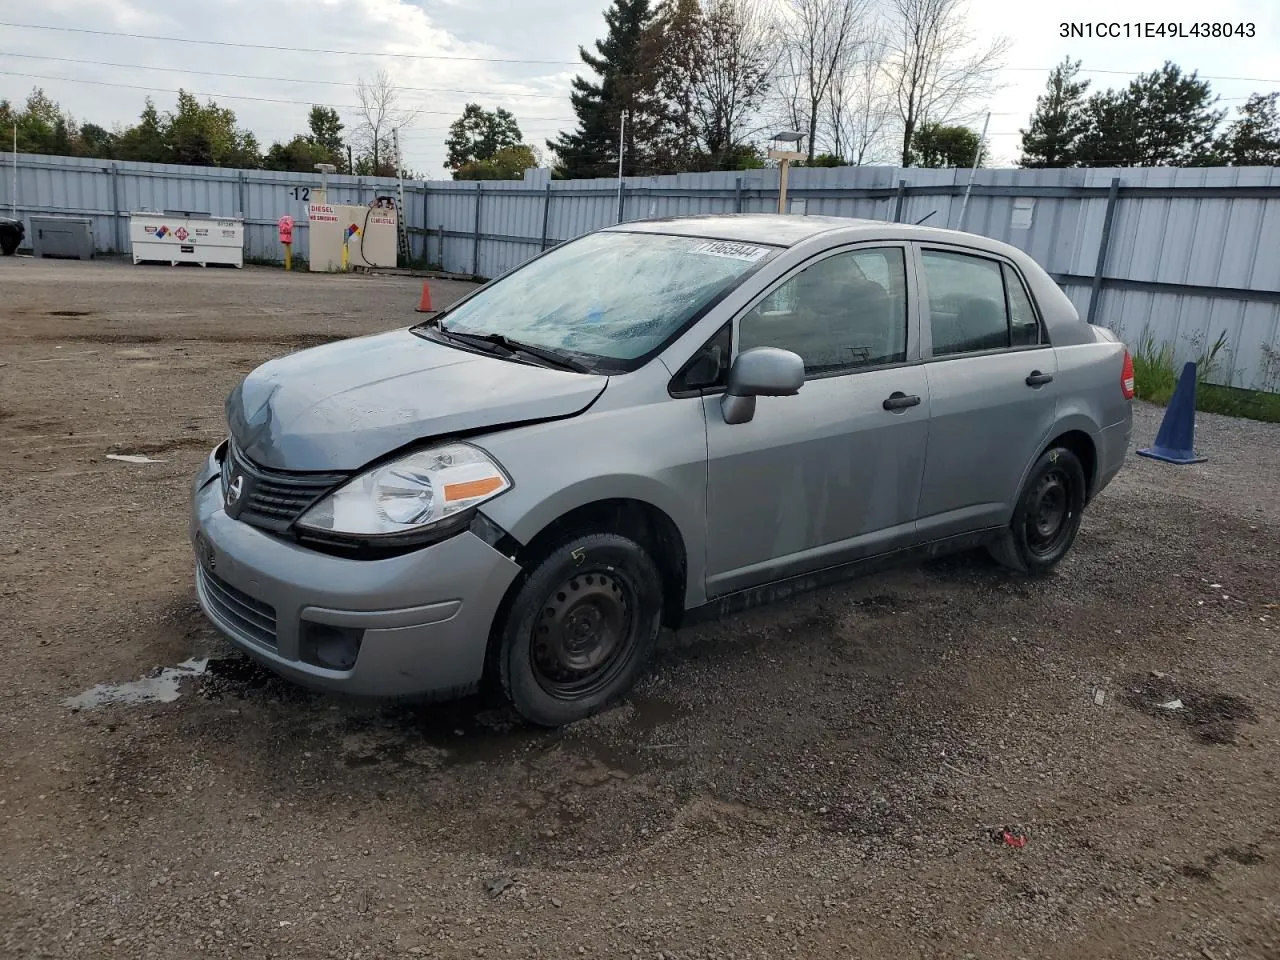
<point x="613" y="295"/>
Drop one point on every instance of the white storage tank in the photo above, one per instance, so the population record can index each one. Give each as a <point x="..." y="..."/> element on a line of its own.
<point x="182" y="236"/>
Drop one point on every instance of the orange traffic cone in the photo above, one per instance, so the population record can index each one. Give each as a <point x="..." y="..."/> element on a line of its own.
<point x="424" y="304"/>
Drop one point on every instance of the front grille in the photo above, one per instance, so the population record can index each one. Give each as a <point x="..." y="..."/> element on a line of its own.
<point x="272" y="499"/>
<point x="249" y="617"/>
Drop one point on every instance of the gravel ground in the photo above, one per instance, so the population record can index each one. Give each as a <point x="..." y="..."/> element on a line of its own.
<point x="832" y="776"/>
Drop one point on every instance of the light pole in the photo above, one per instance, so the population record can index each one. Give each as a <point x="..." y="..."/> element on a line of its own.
<point x="784" y="158"/>
<point x="977" y="157"/>
<point x="622" y="146"/>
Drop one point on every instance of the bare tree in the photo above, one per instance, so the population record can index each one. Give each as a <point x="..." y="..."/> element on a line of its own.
<point x="380" y="111"/>
<point x="937" y="70"/>
<point x="859" y="111"/>
<point x="737" y="60"/>
<point x="821" y="41"/>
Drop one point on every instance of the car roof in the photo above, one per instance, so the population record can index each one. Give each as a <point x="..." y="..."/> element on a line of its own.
<point x="787" y="230"/>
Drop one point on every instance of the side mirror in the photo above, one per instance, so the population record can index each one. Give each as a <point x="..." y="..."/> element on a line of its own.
<point x="760" y="372"/>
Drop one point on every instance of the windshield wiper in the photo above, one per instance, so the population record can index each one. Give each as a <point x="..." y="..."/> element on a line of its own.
<point x="552" y="356"/>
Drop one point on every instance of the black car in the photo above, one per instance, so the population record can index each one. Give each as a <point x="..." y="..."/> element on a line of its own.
<point x="11" y="234"/>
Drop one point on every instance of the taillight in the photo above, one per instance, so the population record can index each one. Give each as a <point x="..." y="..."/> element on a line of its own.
<point x="1126" y="377"/>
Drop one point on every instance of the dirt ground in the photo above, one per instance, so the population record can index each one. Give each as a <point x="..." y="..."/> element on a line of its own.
<point x="831" y="777"/>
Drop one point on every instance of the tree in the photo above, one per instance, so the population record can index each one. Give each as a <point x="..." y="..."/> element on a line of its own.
<point x="673" y="55"/>
<point x="625" y="88"/>
<point x="478" y="135"/>
<point x="146" y="140"/>
<point x="326" y="134"/>
<point x="380" y="111"/>
<point x="1253" y="138"/>
<point x="937" y="72"/>
<point x="937" y="145"/>
<point x="507" y="163"/>
<point x="823" y="160"/>
<point x="859" y="113"/>
<point x="1060" y="120"/>
<point x="1161" y="119"/>
<point x="1110" y="133"/>
<point x="42" y="125"/>
<point x="96" y="141"/>
<point x="299" y="155"/>
<point x="207" y="135"/>
<point x="731" y="74"/>
<point x="821" y="39"/>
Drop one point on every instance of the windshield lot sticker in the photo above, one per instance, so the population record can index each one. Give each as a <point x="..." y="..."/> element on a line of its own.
<point x="731" y="250"/>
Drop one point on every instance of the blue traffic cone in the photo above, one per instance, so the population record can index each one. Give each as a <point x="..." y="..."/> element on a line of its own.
<point x="1176" y="441"/>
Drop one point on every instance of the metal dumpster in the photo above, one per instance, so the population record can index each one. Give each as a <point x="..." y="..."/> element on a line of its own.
<point x="70" y="237"/>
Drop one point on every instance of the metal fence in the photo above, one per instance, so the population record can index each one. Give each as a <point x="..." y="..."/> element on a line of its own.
<point x="1185" y="257"/>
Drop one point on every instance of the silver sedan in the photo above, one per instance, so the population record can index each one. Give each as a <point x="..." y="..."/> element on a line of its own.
<point x="653" y="422"/>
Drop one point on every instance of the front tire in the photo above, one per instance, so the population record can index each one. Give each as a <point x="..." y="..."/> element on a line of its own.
<point x="580" y="628"/>
<point x="1047" y="517"/>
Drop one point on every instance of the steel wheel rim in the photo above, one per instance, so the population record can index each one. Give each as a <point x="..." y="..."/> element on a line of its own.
<point x="1050" y="511"/>
<point x="584" y="633"/>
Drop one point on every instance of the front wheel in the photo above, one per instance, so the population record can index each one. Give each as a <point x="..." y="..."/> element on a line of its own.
<point x="580" y="629"/>
<point x="1047" y="516"/>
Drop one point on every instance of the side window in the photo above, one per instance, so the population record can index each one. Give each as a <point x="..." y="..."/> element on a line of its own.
<point x="840" y="314"/>
<point x="1022" y="317"/>
<point x="966" y="303"/>
<point x="709" y="367"/>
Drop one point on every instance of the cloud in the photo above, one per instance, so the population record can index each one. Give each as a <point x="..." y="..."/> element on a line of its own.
<point x="383" y="27"/>
<point x="544" y="30"/>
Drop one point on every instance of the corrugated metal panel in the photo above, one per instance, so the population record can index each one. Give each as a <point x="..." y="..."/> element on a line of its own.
<point x="1206" y="241"/>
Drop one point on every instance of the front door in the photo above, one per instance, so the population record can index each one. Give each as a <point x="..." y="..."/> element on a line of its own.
<point x="991" y="384"/>
<point x="833" y="473"/>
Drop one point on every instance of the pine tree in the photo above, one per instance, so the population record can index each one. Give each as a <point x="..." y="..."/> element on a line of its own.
<point x="1164" y="118"/>
<point x="1052" y="138"/>
<point x="625" y="87"/>
<point x="1111" y="131"/>
<point x="1253" y="139"/>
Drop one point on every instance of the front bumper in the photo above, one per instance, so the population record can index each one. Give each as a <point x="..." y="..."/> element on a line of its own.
<point x="425" y="615"/>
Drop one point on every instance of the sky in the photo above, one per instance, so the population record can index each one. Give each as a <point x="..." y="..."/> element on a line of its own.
<point x="519" y="55"/>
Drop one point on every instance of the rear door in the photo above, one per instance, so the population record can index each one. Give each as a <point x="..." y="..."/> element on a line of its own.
<point x="830" y="474"/>
<point x="991" y="374"/>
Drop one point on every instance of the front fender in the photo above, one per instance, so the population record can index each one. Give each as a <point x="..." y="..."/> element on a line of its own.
<point x="653" y="453"/>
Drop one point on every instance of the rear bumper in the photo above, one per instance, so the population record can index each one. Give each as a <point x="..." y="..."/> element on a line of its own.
<point x="423" y="619"/>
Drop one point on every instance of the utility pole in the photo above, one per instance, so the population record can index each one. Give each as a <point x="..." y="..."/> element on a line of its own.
<point x="977" y="156"/>
<point x="622" y="146"/>
<point x="13" y="197"/>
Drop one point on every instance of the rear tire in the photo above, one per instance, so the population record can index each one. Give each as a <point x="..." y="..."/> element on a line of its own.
<point x="1047" y="517"/>
<point x="580" y="628"/>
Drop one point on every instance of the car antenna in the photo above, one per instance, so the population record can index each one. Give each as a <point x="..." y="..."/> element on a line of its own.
<point x="925" y="217"/>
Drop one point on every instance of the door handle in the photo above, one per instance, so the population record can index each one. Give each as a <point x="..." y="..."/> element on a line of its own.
<point x="1038" y="379"/>
<point x="900" y="401"/>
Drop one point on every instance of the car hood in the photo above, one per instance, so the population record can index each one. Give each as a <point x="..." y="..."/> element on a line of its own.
<point x="341" y="405"/>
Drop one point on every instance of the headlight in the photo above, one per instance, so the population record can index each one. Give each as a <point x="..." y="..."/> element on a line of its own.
<point x="410" y="494"/>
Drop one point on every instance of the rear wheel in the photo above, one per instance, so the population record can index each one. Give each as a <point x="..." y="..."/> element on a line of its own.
<point x="1047" y="516"/>
<point x="580" y="628"/>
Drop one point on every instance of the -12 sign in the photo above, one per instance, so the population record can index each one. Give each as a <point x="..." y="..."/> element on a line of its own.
<point x="302" y="193"/>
